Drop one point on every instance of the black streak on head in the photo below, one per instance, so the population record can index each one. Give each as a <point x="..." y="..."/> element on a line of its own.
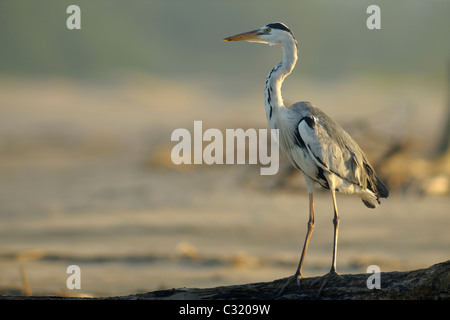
<point x="279" y="26"/>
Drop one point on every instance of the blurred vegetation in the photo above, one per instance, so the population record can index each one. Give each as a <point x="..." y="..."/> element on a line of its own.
<point x="178" y="37"/>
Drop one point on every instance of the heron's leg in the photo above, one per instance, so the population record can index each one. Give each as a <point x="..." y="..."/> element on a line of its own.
<point x="336" y="230"/>
<point x="332" y="272"/>
<point x="298" y="274"/>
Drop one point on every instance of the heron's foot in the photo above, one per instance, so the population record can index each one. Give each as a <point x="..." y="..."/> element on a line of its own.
<point x="325" y="279"/>
<point x="295" y="277"/>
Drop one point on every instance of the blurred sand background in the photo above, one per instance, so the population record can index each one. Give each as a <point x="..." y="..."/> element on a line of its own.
<point x="86" y="118"/>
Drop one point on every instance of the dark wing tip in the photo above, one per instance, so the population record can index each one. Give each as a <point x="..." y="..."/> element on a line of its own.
<point x="382" y="189"/>
<point x="369" y="204"/>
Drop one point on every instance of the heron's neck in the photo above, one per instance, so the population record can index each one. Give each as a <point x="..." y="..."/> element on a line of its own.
<point x="275" y="79"/>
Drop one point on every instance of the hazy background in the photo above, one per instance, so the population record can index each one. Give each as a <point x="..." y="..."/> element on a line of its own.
<point x="85" y="123"/>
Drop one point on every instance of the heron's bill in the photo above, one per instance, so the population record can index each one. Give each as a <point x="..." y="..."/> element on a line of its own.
<point x="246" y="36"/>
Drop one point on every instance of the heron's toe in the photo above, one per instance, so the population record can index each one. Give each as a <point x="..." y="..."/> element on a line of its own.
<point x="330" y="277"/>
<point x="287" y="284"/>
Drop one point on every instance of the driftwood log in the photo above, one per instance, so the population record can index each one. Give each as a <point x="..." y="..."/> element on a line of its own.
<point x="432" y="283"/>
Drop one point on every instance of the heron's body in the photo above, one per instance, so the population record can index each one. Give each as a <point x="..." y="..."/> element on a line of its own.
<point x="325" y="153"/>
<point x="313" y="142"/>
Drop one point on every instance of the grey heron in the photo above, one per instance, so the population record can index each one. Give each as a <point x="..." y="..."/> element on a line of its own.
<point x="313" y="142"/>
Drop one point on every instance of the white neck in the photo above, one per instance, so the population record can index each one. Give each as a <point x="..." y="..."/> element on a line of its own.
<point x="275" y="78"/>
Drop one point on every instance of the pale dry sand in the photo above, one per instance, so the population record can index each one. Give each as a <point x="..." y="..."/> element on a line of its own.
<point x="86" y="179"/>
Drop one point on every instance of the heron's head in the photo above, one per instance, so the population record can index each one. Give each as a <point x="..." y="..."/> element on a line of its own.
<point x="272" y="33"/>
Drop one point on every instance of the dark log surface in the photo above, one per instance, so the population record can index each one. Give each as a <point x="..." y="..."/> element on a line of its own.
<point x="431" y="283"/>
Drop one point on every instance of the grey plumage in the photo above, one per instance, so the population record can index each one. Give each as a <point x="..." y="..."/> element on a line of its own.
<point x="327" y="147"/>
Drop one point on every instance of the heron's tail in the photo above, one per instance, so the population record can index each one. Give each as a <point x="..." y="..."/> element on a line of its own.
<point x="379" y="191"/>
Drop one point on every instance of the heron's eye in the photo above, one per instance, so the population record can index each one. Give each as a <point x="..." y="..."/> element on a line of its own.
<point x="267" y="30"/>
